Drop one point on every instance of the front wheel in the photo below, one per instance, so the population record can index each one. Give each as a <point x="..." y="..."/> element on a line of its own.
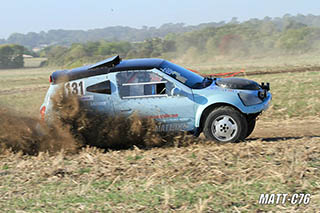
<point x="251" y="125"/>
<point x="225" y="124"/>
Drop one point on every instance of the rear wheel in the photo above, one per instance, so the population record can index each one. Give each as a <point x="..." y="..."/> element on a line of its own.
<point x="225" y="124"/>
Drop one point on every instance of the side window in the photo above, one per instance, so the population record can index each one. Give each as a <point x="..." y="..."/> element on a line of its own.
<point x="102" y="87"/>
<point x="142" y="84"/>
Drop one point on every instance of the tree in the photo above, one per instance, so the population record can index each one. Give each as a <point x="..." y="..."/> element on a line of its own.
<point x="11" y="56"/>
<point x="295" y="40"/>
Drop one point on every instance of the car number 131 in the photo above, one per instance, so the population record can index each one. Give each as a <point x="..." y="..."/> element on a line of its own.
<point x="75" y="88"/>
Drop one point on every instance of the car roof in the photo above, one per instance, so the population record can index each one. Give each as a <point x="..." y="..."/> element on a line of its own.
<point x="134" y="64"/>
<point x="85" y="71"/>
<point x="129" y="64"/>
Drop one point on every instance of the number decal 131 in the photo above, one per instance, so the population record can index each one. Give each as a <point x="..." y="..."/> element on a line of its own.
<point x="75" y="88"/>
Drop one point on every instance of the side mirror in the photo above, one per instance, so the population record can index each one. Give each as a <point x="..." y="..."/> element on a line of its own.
<point x="176" y="92"/>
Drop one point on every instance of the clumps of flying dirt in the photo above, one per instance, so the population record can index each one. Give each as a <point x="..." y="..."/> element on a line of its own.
<point x="22" y="134"/>
<point x="111" y="132"/>
<point x="74" y="127"/>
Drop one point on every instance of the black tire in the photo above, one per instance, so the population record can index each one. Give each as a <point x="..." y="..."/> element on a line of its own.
<point x="251" y="125"/>
<point x="231" y="123"/>
<point x="194" y="133"/>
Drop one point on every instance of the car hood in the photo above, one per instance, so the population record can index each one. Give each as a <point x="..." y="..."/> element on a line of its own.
<point x="237" y="83"/>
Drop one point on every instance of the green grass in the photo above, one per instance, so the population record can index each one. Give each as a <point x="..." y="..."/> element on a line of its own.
<point x="294" y="94"/>
<point x="23" y="90"/>
<point x="26" y="103"/>
<point x="257" y="64"/>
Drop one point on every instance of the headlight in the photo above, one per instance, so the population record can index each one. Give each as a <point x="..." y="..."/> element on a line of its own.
<point x="262" y="94"/>
<point x="249" y="99"/>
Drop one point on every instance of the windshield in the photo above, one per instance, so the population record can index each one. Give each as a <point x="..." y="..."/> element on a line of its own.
<point x="181" y="74"/>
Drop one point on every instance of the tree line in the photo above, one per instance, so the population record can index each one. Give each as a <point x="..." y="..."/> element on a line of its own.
<point x="79" y="54"/>
<point x="255" y="38"/>
<point x="122" y="33"/>
<point x="113" y="34"/>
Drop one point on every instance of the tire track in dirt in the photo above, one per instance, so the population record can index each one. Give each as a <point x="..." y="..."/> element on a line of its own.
<point x="287" y="129"/>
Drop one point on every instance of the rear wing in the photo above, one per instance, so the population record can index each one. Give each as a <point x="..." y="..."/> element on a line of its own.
<point x="109" y="62"/>
<point x="100" y="68"/>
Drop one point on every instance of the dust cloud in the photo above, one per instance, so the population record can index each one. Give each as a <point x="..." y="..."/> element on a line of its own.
<point x="74" y="127"/>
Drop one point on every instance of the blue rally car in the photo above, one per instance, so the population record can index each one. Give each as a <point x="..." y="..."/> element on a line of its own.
<point x="224" y="109"/>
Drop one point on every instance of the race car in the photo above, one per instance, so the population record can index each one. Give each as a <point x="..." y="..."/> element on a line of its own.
<point x="224" y="109"/>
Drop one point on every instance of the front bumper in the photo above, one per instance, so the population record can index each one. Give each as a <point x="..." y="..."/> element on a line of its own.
<point x="259" y="107"/>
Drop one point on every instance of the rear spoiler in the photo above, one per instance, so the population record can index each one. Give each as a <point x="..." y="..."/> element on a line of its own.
<point x="100" y="68"/>
<point x="109" y="62"/>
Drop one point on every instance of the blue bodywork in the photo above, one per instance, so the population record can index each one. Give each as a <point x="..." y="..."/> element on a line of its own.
<point x="174" y="96"/>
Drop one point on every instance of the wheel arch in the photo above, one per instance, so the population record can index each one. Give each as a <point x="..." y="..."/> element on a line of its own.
<point x="211" y="107"/>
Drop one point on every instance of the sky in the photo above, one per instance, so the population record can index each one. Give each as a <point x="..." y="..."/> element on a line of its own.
<point x="23" y="16"/>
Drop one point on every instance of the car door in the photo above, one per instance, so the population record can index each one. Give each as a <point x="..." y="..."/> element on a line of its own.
<point x="152" y="94"/>
<point x="95" y="93"/>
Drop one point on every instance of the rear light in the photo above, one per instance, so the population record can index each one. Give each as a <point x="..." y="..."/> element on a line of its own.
<point x="50" y="79"/>
<point x="42" y="113"/>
